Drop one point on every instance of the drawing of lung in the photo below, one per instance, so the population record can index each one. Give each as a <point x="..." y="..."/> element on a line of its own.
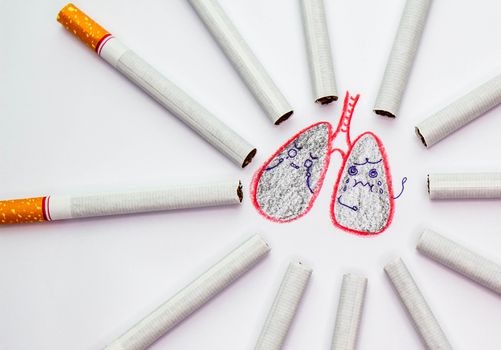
<point x="362" y="201"/>
<point x="286" y="186"/>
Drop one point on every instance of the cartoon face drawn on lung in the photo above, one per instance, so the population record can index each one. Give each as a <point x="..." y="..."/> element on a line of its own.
<point x="288" y="182"/>
<point x="286" y="186"/>
<point x="363" y="197"/>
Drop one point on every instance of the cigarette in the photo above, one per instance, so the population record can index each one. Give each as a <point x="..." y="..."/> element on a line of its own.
<point x="156" y="85"/>
<point x="52" y="208"/>
<point x="460" y="112"/>
<point x="193" y="296"/>
<point x="244" y="61"/>
<point x="349" y="312"/>
<point x="465" y="186"/>
<point x="417" y="307"/>
<point x="402" y="57"/>
<point x="461" y="259"/>
<point x="319" y="51"/>
<point x="284" y="307"/>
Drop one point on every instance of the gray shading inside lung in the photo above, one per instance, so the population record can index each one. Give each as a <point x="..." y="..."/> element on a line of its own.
<point x="362" y="198"/>
<point x="286" y="186"/>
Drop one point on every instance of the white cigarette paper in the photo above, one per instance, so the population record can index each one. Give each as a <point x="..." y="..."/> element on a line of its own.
<point x="402" y="57"/>
<point x="460" y="112"/>
<point x="419" y="310"/>
<point x="243" y="59"/>
<point x="284" y="307"/>
<point x="193" y="296"/>
<point x="177" y="102"/>
<point x="465" y="186"/>
<point x="177" y="197"/>
<point x="461" y="259"/>
<point x="349" y="312"/>
<point x="319" y="51"/>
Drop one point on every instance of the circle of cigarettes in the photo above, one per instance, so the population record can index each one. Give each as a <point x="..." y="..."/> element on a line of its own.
<point x="242" y="259"/>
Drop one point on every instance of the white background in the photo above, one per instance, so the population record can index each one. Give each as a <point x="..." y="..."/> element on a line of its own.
<point x="70" y="124"/>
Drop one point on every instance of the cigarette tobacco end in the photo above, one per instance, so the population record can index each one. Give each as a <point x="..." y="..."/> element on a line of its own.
<point x="264" y="241"/>
<point x="284" y="117"/>
<point x="249" y="157"/>
<point x="326" y="100"/>
<point x="391" y="264"/>
<point x="418" y="133"/>
<point x="419" y="241"/>
<point x="384" y="113"/>
<point x="240" y="192"/>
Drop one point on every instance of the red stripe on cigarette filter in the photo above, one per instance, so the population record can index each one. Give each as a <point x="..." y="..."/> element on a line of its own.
<point x="102" y="42"/>
<point x="47" y="208"/>
<point x="44" y="208"/>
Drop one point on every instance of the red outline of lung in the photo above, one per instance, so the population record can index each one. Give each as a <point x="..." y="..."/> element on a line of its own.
<point x="387" y="182"/>
<point x="320" y="181"/>
<point x="343" y="129"/>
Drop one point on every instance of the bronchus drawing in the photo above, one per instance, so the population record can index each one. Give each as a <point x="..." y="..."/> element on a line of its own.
<point x="286" y="186"/>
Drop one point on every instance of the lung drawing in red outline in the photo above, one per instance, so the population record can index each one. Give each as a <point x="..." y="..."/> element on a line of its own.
<point x="286" y="186"/>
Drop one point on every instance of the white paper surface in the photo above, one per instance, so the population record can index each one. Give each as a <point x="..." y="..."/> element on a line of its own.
<point x="70" y="124"/>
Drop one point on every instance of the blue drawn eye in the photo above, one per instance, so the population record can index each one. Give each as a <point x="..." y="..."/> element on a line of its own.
<point x="292" y="153"/>
<point x="373" y="173"/>
<point x="352" y="170"/>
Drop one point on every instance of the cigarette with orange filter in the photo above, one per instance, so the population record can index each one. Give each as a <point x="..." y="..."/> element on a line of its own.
<point x="156" y="85"/>
<point x="51" y="208"/>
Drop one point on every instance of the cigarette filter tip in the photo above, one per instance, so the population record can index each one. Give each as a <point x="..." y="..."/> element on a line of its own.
<point x="84" y="27"/>
<point x="21" y="211"/>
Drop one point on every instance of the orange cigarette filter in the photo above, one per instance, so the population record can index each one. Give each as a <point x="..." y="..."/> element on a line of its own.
<point x="84" y="27"/>
<point x="20" y="211"/>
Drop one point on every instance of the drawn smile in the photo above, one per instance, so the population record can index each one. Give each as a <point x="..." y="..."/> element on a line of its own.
<point x="354" y="208"/>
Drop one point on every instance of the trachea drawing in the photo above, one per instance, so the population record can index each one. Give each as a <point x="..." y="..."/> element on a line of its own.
<point x="286" y="186"/>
